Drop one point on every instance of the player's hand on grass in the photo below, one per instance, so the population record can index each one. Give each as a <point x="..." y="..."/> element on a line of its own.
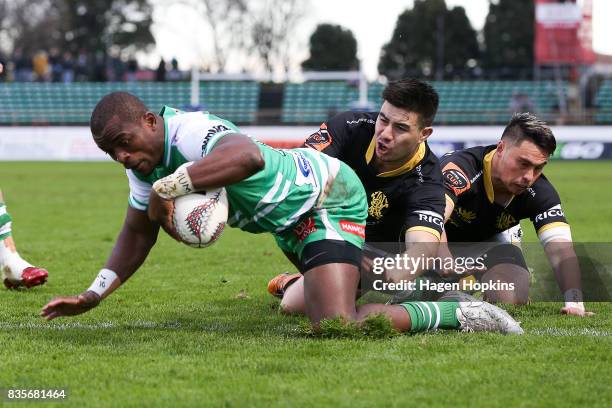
<point x="70" y="305"/>
<point x="161" y="212"/>
<point x="575" y="311"/>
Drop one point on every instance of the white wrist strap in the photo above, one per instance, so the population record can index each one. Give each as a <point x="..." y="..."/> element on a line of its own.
<point x="103" y="281"/>
<point x="573" y="298"/>
<point x="175" y="185"/>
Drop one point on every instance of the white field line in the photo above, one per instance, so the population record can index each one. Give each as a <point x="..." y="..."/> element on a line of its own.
<point x="138" y="324"/>
<point x="142" y="324"/>
<point x="555" y="331"/>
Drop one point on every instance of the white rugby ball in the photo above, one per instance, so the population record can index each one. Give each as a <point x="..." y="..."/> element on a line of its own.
<point x="199" y="218"/>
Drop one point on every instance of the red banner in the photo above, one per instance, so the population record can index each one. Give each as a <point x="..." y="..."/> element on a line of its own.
<point x="563" y="32"/>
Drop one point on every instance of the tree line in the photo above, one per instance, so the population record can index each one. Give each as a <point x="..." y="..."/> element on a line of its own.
<point x="430" y="40"/>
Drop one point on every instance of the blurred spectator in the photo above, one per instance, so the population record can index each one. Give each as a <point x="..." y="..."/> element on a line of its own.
<point x="40" y="63"/>
<point x="23" y="66"/>
<point x="132" y="68"/>
<point x="116" y="68"/>
<point x="57" y="69"/>
<point x="521" y="102"/>
<point x="160" y="73"/>
<point x="2" y="65"/>
<point x="174" y="74"/>
<point x="67" y="67"/>
<point x="99" y="71"/>
<point x="81" y="68"/>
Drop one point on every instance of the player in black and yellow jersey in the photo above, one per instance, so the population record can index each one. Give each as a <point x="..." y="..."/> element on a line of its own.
<point x="401" y="176"/>
<point x="403" y="182"/>
<point x="489" y="189"/>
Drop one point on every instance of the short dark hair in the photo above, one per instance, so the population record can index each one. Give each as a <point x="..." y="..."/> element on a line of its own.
<point x="526" y="126"/>
<point x="414" y="96"/>
<point x="121" y="104"/>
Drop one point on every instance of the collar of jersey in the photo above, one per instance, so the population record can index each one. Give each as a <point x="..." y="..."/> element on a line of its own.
<point x="167" y="112"/>
<point x="404" y="168"/>
<point x="488" y="183"/>
<point x="486" y="169"/>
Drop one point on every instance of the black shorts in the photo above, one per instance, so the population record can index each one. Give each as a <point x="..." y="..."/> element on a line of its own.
<point x="329" y="251"/>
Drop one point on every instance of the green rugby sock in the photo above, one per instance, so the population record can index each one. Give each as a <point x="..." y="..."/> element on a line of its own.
<point x="432" y="315"/>
<point x="5" y="222"/>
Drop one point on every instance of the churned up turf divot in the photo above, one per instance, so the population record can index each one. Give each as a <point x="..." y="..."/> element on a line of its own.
<point x="374" y="327"/>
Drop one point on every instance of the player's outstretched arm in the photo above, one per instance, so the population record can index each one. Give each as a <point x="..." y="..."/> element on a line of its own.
<point x="419" y="245"/>
<point x="137" y="237"/>
<point x="233" y="158"/>
<point x="564" y="262"/>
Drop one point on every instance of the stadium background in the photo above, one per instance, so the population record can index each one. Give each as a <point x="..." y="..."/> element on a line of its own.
<point x="193" y="329"/>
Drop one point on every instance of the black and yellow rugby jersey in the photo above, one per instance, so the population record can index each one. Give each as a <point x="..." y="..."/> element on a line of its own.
<point x="408" y="198"/>
<point x="476" y="217"/>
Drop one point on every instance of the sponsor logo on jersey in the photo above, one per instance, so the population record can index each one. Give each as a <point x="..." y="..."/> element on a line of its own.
<point x="305" y="228"/>
<point x="465" y="215"/>
<point x="555" y="211"/>
<point x="305" y="173"/>
<point x="419" y="172"/>
<point x="504" y="221"/>
<point x="303" y="165"/>
<point x="353" y="228"/>
<point x="455" y="178"/>
<point x="360" y="120"/>
<point x="319" y="140"/>
<point x="210" y="133"/>
<point x="378" y="203"/>
<point x="431" y="217"/>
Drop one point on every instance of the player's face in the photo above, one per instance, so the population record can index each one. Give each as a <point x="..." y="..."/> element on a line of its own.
<point x="398" y="134"/>
<point x="136" y="146"/>
<point x="520" y="165"/>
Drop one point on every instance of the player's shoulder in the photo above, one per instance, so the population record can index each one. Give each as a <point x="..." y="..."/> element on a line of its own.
<point x="469" y="159"/>
<point x="430" y="157"/>
<point x="542" y="192"/>
<point x="174" y="115"/>
<point x="353" y="122"/>
<point x="461" y="168"/>
<point x="342" y="131"/>
<point x="429" y="166"/>
<point x="355" y="118"/>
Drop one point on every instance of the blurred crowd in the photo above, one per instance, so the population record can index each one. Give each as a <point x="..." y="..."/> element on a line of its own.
<point x="64" y="66"/>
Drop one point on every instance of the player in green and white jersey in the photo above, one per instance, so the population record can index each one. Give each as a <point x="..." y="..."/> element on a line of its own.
<point x="274" y="199"/>
<point x="14" y="270"/>
<point x="314" y="205"/>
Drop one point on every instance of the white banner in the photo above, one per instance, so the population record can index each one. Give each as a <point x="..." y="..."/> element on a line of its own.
<point x="75" y="143"/>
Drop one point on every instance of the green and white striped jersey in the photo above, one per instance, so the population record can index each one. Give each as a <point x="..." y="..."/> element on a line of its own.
<point x="293" y="181"/>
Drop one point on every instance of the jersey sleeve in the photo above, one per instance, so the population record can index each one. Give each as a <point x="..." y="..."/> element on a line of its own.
<point x="331" y="138"/>
<point x="139" y="192"/>
<point x="425" y="207"/>
<point x="545" y="211"/>
<point x="457" y="171"/>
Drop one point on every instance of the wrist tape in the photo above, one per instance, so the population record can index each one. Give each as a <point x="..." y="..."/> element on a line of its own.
<point x="103" y="281"/>
<point x="175" y="185"/>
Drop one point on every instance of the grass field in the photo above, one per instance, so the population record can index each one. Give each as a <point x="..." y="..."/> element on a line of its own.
<point x="197" y="328"/>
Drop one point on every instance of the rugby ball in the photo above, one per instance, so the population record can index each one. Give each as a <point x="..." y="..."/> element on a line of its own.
<point x="199" y="218"/>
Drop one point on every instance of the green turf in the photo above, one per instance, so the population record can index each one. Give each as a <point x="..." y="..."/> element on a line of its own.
<point x="197" y="328"/>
